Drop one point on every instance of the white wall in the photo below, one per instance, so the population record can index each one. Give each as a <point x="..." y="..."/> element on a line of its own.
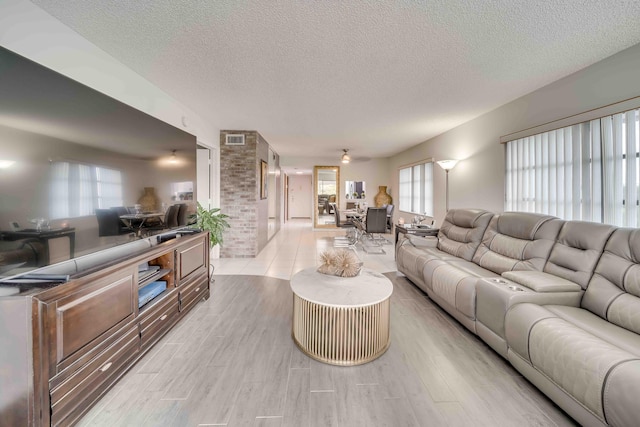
<point x="374" y="172"/>
<point x="478" y="180"/>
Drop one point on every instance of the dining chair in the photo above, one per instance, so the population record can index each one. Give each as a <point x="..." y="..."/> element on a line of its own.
<point x="351" y="238"/>
<point x="375" y="224"/>
<point x="182" y="214"/>
<point x="171" y="216"/>
<point x="109" y="223"/>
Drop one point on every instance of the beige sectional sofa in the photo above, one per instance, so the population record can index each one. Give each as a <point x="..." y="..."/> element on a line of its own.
<point x="559" y="299"/>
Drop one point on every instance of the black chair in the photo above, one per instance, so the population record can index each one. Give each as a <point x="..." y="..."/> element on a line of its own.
<point x="375" y="223"/>
<point x="351" y="237"/>
<point x="109" y="223"/>
<point x="171" y="216"/>
<point x="339" y="224"/>
<point x="182" y="214"/>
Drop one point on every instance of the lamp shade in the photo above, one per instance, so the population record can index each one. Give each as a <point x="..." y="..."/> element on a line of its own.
<point x="345" y="157"/>
<point x="447" y="164"/>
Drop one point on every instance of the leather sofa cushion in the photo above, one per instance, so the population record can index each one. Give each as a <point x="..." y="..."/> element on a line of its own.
<point x="517" y="241"/>
<point x="572" y="347"/>
<point x="599" y="327"/>
<point x="423" y="241"/>
<point x="577" y="250"/>
<point x="455" y="283"/>
<point x="527" y="226"/>
<point x="411" y="259"/>
<point x="462" y="230"/>
<point x="614" y="290"/>
<point x="620" y="397"/>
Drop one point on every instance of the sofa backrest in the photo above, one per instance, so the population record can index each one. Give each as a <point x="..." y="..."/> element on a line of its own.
<point x="614" y="290"/>
<point x="577" y="250"/>
<point x="517" y="241"/>
<point x="462" y="230"/>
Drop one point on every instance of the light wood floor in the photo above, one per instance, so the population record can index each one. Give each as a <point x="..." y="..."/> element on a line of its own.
<point x="232" y="362"/>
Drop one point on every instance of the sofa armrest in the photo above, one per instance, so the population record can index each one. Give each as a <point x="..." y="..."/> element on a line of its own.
<point x="423" y="241"/>
<point x="539" y="281"/>
<point x="495" y="296"/>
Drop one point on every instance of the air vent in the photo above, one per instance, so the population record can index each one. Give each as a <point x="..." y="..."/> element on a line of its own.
<point x="235" y="140"/>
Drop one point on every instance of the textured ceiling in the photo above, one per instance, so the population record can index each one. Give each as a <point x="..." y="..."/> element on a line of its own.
<point x="376" y="77"/>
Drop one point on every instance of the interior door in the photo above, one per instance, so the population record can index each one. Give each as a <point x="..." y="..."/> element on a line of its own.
<point x="299" y="196"/>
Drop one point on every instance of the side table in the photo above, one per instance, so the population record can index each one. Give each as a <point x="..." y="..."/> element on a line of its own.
<point x="422" y="230"/>
<point x="43" y="236"/>
<point x="341" y="320"/>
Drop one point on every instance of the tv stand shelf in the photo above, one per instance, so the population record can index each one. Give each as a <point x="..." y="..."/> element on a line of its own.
<point x="79" y="349"/>
<point x="152" y="278"/>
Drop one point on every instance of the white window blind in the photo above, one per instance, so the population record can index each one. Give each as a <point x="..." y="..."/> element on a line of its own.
<point x="416" y="188"/>
<point x="428" y="189"/>
<point x="404" y="202"/>
<point x="78" y="189"/>
<point x="109" y="187"/>
<point x="579" y="172"/>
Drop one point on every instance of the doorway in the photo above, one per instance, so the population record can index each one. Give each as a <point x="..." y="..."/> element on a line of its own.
<point x="299" y="196"/>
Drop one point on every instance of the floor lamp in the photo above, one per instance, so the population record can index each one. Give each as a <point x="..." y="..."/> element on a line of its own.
<point x="447" y="165"/>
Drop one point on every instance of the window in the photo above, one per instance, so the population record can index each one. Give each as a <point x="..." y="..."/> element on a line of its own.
<point x="588" y="171"/>
<point x="78" y="189"/>
<point x="416" y="189"/>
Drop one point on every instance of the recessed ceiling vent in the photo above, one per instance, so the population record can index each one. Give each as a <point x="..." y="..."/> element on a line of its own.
<point x="237" y="139"/>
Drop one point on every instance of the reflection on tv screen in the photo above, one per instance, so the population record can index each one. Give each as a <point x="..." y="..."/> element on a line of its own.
<point x="81" y="172"/>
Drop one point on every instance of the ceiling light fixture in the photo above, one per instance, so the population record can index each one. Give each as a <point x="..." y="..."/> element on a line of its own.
<point x="345" y="156"/>
<point x="173" y="158"/>
<point x="5" y="163"/>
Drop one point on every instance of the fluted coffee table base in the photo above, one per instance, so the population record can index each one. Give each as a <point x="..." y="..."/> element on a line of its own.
<point x="341" y="331"/>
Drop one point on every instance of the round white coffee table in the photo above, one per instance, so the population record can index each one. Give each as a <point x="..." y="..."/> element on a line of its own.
<point x="341" y="320"/>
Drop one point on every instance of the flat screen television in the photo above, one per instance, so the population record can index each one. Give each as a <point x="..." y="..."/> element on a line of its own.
<point x="68" y="152"/>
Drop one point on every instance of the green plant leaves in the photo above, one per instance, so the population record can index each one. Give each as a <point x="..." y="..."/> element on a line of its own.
<point x="212" y="221"/>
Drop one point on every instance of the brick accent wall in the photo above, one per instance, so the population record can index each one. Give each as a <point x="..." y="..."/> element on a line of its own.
<point x="240" y="167"/>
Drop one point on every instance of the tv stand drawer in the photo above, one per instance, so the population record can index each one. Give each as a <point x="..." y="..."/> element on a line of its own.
<point x="194" y="291"/>
<point x="75" y="395"/>
<point x="89" y="315"/>
<point x="158" y="319"/>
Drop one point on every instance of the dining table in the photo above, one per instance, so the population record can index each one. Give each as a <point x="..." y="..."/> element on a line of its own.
<point x="137" y="221"/>
<point x="354" y="213"/>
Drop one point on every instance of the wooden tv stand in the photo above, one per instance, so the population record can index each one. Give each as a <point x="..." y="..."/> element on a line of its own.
<point x="70" y="343"/>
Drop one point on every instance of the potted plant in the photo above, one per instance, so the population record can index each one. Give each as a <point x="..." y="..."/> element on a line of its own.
<point x="213" y="221"/>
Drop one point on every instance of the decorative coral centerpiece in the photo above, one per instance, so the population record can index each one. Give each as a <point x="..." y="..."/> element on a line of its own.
<point x="340" y="262"/>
